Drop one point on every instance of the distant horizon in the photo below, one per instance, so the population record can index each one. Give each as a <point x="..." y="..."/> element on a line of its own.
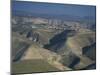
<point x="54" y="9"/>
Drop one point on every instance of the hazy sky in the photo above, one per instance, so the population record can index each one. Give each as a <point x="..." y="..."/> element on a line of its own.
<point x="60" y="9"/>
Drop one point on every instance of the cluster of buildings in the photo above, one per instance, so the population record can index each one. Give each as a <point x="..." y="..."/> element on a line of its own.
<point x="48" y="23"/>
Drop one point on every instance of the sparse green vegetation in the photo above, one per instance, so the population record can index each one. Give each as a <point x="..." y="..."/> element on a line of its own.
<point x="28" y="66"/>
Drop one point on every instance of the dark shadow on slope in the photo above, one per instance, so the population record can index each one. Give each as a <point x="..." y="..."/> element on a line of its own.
<point x="58" y="41"/>
<point x="91" y="66"/>
<point x="57" y="44"/>
<point x="90" y="51"/>
<point x="33" y="35"/>
<point x="70" y="60"/>
<point x="20" y="53"/>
